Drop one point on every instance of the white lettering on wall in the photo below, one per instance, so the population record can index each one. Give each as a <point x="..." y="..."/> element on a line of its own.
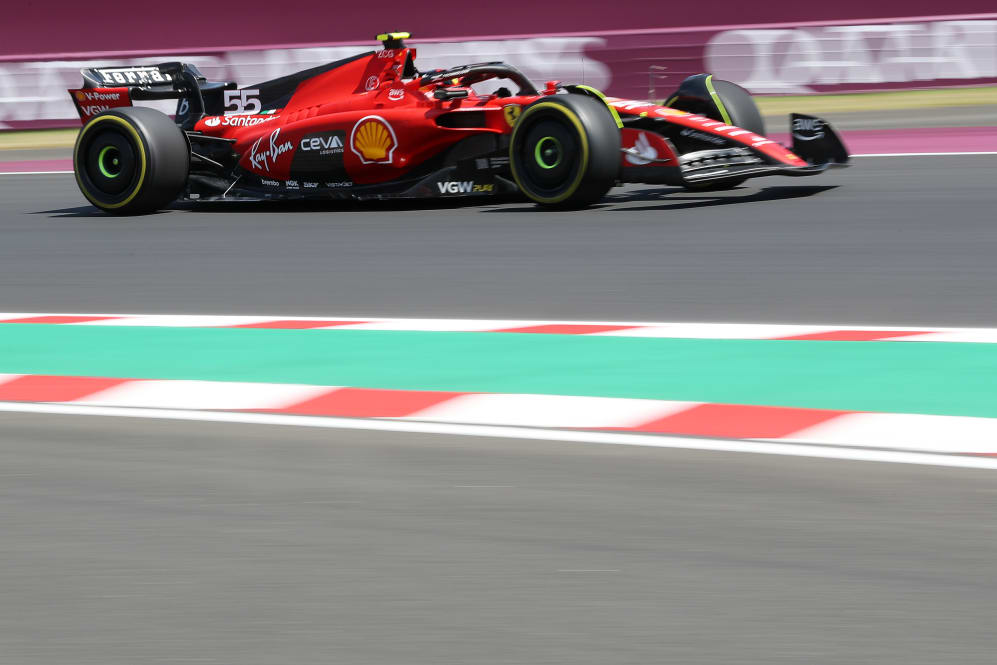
<point x="792" y="60"/>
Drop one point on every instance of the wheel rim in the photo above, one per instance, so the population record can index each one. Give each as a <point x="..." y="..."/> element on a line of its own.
<point x="109" y="164"/>
<point x="548" y="152"/>
<point x="547" y="146"/>
<point x="109" y="161"/>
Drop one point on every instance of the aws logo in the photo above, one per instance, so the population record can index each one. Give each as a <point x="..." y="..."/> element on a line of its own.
<point x="373" y="140"/>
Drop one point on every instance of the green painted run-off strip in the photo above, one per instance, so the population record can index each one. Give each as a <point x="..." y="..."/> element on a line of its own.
<point x="902" y="377"/>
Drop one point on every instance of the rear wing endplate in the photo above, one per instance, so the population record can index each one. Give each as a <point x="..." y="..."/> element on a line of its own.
<point x="195" y="95"/>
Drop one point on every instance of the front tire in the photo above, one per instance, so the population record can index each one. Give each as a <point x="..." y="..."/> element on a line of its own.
<point x="743" y="112"/>
<point x="565" y="151"/>
<point x="131" y="161"/>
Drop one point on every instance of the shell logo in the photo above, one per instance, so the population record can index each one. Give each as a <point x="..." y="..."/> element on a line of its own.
<point x="373" y="140"/>
<point x="80" y="96"/>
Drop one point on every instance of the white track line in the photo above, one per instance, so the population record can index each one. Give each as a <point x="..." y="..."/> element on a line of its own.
<point x="696" y="328"/>
<point x="606" y="438"/>
<point x="34" y="172"/>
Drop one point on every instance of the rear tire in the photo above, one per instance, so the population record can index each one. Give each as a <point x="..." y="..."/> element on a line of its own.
<point x="565" y="151"/>
<point x="131" y="161"/>
<point x="743" y="112"/>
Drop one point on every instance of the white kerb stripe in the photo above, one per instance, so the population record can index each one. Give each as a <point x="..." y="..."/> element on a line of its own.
<point x="439" y="325"/>
<point x="608" y="438"/>
<point x="185" y="321"/>
<point x="945" y="434"/>
<point x="982" y="335"/>
<point x="715" y="331"/>
<point x="6" y="378"/>
<point x="550" y="410"/>
<point x="204" y="395"/>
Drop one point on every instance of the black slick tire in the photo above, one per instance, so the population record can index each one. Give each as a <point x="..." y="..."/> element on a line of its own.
<point x="741" y="111"/>
<point x="565" y="151"/>
<point x="131" y="161"/>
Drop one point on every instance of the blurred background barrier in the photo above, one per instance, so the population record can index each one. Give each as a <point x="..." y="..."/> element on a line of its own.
<point x="815" y="51"/>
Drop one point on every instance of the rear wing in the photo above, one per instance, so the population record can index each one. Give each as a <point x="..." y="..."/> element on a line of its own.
<point x="111" y="87"/>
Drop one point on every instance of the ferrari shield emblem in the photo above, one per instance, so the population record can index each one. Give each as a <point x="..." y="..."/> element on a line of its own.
<point x="511" y="113"/>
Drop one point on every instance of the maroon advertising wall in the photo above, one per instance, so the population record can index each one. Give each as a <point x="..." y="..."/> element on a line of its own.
<point x="630" y="49"/>
<point x="92" y="26"/>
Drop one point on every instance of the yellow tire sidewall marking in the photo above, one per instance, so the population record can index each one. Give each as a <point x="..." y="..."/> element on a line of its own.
<point x="576" y="121"/>
<point x="143" y="162"/>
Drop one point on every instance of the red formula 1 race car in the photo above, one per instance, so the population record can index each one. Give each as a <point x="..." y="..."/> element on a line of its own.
<point x="374" y="127"/>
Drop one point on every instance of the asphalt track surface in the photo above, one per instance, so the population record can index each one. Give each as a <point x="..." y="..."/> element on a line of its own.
<point x="130" y="541"/>
<point x="889" y="241"/>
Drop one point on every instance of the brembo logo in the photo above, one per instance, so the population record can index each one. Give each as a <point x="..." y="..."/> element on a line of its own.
<point x="267" y="157"/>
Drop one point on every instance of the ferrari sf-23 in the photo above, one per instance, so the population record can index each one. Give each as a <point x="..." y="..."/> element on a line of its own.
<point x="375" y="127"/>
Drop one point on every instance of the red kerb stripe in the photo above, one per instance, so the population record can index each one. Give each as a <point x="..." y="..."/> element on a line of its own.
<point x="35" y="388"/>
<point x="369" y="403"/>
<point x="855" y="335"/>
<point x="294" y="324"/>
<point x="566" y="329"/>
<point x="736" y="421"/>
<point x="60" y="319"/>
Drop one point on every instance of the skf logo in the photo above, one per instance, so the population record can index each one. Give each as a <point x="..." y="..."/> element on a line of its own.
<point x="511" y="113"/>
<point x="466" y="187"/>
<point x="373" y="140"/>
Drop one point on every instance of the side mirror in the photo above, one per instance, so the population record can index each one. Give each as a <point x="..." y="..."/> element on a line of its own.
<point x="444" y="94"/>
